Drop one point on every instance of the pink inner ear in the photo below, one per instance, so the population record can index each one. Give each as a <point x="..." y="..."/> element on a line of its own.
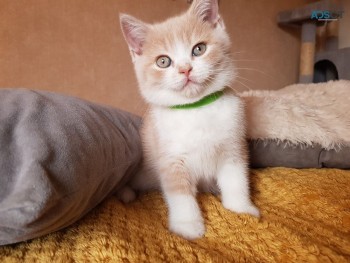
<point x="134" y="32"/>
<point x="214" y="12"/>
<point x="208" y="10"/>
<point x="134" y="43"/>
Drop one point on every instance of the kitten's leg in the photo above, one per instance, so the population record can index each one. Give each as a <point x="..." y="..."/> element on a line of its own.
<point x="185" y="217"/>
<point x="126" y="194"/>
<point x="234" y="186"/>
<point x="143" y="180"/>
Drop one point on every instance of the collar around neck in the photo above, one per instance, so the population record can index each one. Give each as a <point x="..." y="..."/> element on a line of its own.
<point x="200" y="103"/>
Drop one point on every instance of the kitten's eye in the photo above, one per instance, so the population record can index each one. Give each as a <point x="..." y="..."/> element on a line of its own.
<point x="199" y="49"/>
<point x="163" y="61"/>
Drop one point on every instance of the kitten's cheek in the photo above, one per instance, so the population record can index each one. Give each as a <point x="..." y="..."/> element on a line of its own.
<point x="156" y="76"/>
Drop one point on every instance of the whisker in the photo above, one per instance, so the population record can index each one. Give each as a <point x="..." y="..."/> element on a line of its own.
<point x="247" y="87"/>
<point x="232" y="88"/>
<point x="257" y="70"/>
<point x="238" y="60"/>
<point x="239" y="52"/>
<point x="238" y="76"/>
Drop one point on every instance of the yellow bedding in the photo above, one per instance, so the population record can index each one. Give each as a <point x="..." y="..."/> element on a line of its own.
<point x="305" y="218"/>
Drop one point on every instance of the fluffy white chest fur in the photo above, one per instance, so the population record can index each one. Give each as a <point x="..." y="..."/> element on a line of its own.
<point x="199" y="136"/>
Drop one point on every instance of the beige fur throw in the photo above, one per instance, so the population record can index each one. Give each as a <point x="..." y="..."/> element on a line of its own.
<point x="301" y="114"/>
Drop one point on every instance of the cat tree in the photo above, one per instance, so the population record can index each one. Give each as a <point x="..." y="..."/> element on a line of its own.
<point x="323" y="60"/>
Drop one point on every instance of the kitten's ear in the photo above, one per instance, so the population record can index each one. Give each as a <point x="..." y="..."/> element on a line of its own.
<point x="134" y="32"/>
<point x="207" y="10"/>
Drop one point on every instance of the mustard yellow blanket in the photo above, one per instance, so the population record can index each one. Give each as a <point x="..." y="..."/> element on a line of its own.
<point x="305" y="218"/>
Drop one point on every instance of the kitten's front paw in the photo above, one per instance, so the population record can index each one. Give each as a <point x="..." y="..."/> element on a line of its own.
<point x="243" y="209"/>
<point x="188" y="229"/>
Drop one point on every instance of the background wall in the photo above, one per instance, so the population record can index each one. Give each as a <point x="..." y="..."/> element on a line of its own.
<point x="344" y="25"/>
<point x="76" y="47"/>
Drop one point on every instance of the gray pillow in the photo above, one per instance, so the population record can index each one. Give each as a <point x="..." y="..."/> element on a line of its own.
<point x="273" y="153"/>
<point x="59" y="157"/>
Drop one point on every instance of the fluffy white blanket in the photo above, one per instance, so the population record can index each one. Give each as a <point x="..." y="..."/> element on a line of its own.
<point x="301" y="114"/>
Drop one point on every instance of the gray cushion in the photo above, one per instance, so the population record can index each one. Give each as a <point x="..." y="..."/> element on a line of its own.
<point x="273" y="153"/>
<point x="335" y="159"/>
<point x="59" y="157"/>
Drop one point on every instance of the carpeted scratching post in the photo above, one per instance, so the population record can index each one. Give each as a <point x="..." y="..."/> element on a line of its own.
<point x="307" y="52"/>
<point x="327" y="62"/>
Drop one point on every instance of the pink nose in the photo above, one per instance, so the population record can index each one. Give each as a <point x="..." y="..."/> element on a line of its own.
<point x="185" y="70"/>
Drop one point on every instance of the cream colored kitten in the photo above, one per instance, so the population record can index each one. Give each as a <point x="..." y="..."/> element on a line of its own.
<point x="180" y="62"/>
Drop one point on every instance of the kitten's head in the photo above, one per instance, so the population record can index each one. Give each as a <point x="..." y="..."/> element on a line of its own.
<point x="183" y="59"/>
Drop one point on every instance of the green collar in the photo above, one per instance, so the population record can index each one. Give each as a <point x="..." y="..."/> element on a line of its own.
<point x="202" y="102"/>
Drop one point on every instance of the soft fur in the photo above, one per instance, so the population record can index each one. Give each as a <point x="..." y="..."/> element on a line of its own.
<point x="187" y="149"/>
<point x="301" y="114"/>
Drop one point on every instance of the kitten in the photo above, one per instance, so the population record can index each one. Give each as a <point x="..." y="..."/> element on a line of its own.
<point x="194" y="133"/>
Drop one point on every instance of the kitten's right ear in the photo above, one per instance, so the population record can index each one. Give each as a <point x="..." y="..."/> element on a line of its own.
<point x="134" y="32"/>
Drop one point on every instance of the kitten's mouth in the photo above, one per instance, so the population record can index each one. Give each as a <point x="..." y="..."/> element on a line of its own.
<point x="191" y="88"/>
<point x="189" y="82"/>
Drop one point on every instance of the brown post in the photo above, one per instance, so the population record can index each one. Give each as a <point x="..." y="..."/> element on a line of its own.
<point x="332" y="35"/>
<point x="307" y="52"/>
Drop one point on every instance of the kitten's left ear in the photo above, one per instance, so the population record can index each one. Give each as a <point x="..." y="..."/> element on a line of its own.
<point x="207" y="10"/>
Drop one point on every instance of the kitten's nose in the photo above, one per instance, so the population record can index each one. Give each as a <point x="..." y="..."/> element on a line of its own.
<point x="185" y="69"/>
